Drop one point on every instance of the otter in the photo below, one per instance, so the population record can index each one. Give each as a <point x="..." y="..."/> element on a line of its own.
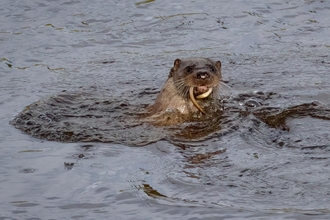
<point x="188" y="80"/>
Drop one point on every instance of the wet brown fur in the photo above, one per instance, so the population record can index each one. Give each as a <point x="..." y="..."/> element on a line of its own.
<point x="186" y="73"/>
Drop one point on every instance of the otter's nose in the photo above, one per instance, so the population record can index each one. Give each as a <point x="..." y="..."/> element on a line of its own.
<point x="203" y="75"/>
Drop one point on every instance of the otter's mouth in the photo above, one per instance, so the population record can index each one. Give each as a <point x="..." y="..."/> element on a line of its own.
<point x="203" y="92"/>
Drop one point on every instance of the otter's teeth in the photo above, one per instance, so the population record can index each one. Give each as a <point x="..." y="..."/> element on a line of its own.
<point x="205" y="94"/>
<point x="192" y="98"/>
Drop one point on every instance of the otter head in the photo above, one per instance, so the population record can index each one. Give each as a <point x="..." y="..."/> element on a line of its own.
<point x="196" y="78"/>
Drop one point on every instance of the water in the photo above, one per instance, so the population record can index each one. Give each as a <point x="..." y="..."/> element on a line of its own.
<point x="272" y="52"/>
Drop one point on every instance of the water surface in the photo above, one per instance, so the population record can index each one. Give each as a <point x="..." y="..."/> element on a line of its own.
<point x="273" y="52"/>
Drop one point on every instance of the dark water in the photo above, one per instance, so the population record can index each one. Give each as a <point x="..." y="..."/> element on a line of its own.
<point x="272" y="52"/>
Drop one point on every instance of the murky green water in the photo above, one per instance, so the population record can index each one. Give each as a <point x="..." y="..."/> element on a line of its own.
<point x="268" y="162"/>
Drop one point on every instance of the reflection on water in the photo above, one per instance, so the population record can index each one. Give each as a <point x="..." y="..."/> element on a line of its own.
<point x="266" y="156"/>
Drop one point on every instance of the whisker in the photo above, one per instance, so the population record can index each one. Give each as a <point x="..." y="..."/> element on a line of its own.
<point x="224" y="91"/>
<point x="181" y="88"/>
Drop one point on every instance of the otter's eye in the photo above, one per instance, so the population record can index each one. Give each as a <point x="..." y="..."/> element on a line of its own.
<point x="212" y="68"/>
<point x="189" y="70"/>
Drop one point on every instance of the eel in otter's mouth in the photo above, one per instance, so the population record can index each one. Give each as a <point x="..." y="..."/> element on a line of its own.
<point x="206" y="92"/>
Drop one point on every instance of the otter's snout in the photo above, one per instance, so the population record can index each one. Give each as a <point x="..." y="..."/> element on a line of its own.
<point x="203" y="75"/>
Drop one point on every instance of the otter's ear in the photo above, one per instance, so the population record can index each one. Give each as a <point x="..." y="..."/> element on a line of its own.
<point x="177" y="64"/>
<point x="218" y="65"/>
